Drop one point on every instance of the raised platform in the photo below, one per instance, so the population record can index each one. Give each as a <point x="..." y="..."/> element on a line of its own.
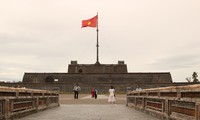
<point x="100" y="76"/>
<point x="102" y="81"/>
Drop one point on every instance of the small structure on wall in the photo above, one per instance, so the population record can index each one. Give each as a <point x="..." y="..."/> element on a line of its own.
<point x="74" y="67"/>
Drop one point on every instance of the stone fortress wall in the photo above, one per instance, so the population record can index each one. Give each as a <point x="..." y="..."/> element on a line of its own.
<point x="100" y="76"/>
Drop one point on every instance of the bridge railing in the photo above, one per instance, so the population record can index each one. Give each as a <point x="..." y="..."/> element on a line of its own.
<point x="174" y="102"/>
<point x="17" y="102"/>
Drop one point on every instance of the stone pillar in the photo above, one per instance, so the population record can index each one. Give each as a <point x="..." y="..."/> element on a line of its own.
<point x="167" y="108"/>
<point x="197" y="111"/>
<point x="37" y="104"/>
<point x="7" y="108"/>
<point x="143" y="103"/>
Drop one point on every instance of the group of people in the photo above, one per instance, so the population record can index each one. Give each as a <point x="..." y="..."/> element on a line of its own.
<point x="111" y="97"/>
<point x="94" y="93"/>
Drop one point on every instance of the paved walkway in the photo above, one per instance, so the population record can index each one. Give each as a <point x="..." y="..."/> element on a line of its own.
<point x="91" y="110"/>
<point x="86" y="99"/>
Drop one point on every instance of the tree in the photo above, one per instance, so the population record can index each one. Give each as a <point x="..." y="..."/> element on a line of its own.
<point x="188" y="79"/>
<point x="194" y="77"/>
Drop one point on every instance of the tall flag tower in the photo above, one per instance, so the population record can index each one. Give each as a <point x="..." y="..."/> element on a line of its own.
<point x="93" y="22"/>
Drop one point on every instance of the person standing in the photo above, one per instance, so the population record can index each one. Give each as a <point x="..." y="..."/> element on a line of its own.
<point x="76" y="89"/>
<point x="92" y="92"/>
<point x="95" y="93"/>
<point x="111" y="98"/>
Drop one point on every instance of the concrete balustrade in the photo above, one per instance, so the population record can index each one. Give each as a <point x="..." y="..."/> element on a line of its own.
<point x="18" y="102"/>
<point x="171" y="103"/>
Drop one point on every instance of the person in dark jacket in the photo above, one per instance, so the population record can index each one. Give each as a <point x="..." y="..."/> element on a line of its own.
<point x="95" y="93"/>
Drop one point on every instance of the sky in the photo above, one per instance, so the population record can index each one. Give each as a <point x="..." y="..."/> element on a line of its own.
<point x="148" y="35"/>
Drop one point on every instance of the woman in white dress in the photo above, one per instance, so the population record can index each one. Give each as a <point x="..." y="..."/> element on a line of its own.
<point x="111" y="97"/>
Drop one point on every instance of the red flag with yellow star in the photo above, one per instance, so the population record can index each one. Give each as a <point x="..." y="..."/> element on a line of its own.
<point x="92" y="22"/>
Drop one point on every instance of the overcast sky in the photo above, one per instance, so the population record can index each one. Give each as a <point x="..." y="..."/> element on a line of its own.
<point x="149" y="35"/>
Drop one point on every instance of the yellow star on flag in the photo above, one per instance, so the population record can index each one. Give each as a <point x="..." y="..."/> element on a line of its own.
<point x="89" y="23"/>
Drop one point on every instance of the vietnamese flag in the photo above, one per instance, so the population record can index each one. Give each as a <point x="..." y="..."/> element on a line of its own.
<point x="92" y="22"/>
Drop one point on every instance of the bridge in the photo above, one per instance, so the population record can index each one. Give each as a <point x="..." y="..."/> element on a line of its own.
<point x="87" y="108"/>
<point x="172" y="103"/>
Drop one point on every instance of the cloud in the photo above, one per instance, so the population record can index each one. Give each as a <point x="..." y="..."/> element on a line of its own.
<point x="176" y="62"/>
<point x="43" y="36"/>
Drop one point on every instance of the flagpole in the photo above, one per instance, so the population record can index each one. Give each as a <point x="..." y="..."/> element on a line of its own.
<point x="97" y="42"/>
